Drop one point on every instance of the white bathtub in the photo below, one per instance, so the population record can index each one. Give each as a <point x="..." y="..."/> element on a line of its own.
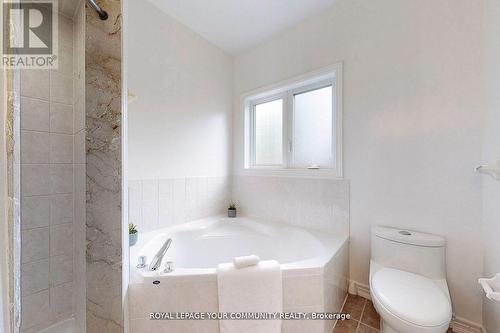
<point x="314" y="265"/>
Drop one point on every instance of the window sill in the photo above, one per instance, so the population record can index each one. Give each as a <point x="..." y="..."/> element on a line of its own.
<point x="292" y="173"/>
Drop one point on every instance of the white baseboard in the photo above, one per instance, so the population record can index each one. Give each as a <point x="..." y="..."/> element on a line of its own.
<point x="360" y="289"/>
<point x="461" y="325"/>
<point x="458" y="324"/>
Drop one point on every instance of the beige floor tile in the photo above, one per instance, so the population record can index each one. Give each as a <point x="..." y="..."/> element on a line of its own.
<point x="354" y="306"/>
<point x="346" y="326"/>
<point x="362" y="328"/>
<point x="370" y="316"/>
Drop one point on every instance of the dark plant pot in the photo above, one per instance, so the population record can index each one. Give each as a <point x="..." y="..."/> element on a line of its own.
<point x="132" y="239"/>
<point x="231" y="212"/>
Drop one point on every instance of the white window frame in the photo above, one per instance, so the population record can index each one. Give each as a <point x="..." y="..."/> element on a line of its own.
<point x="286" y="90"/>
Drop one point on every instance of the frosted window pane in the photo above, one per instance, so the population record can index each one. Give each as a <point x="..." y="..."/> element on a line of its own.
<point x="312" y="135"/>
<point x="269" y="133"/>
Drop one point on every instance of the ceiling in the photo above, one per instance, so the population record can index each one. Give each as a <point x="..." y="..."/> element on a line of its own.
<point x="236" y="25"/>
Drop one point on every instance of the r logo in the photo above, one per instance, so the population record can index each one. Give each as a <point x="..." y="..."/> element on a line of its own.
<point x="30" y="25"/>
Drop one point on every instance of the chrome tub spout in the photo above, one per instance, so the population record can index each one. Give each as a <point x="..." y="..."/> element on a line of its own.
<point x="156" y="262"/>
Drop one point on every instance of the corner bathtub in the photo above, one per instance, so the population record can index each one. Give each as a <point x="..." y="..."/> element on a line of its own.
<point x="314" y="267"/>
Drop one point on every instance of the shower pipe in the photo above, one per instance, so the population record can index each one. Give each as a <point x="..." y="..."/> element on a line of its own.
<point x="102" y="14"/>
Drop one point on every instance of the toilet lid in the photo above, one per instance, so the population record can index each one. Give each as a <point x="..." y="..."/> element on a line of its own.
<point x="411" y="297"/>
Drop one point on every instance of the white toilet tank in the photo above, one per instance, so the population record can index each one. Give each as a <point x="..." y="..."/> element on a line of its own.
<point x="407" y="250"/>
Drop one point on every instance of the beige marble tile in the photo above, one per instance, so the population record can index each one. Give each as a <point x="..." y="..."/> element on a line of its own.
<point x="79" y="195"/>
<point x="79" y="114"/>
<point x="68" y="7"/>
<point x="61" y="209"/>
<point x="61" y="88"/>
<point x="61" y="300"/>
<point x="79" y="147"/>
<point x="65" y="64"/>
<point x="35" y="244"/>
<point x="34" y="277"/>
<point x="61" y="148"/>
<point x="34" y="147"/>
<point x="44" y="174"/>
<point x="61" y="178"/>
<point x="34" y="114"/>
<point x="103" y="167"/>
<point x="35" y="83"/>
<point x="36" y="309"/>
<point x="35" y="179"/>
<point x="61" y="239"/>
<point x="35" y="212"/>
<point x="61" y="269"/>
<point x="61" y="118"/>
<point x="65" y="31"/>
<point x="79" y="264"/>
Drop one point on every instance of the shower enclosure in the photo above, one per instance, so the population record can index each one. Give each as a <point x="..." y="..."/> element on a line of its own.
<point x="52" y="195"/>
<point x="61" y="256"/>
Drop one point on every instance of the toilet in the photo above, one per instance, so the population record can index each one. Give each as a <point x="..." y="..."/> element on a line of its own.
<point x="408" y="281"/>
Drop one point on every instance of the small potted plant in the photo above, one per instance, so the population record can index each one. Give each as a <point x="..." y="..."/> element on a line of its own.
<point x="133" y="234"/>
<point x="231" y="210"/>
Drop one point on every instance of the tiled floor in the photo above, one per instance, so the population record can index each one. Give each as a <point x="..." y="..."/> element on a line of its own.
<point x="364" y="318"/>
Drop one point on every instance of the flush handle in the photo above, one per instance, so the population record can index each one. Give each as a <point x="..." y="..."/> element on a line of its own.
<point x="491" y="287"/>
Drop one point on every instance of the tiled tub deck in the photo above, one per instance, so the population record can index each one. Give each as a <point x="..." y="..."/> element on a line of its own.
<point x="321" y="289"/>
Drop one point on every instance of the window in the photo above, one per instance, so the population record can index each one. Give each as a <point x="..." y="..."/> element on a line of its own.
<point x="296" y="126"/>
<point x="269" y="133"/>
<point x="313" y="128"/>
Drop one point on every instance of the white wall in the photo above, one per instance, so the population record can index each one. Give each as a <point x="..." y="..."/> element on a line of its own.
<point x="411" y="120"/>
<point x="180" y="123"/>
<point x="491" y="153"/>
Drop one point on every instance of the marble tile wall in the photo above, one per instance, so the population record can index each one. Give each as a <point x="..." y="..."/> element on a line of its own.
<point x="160" y="203"/>
<point x="306" y="202"/>
<point x="47" y="189"/>
<point x="103" y="170"/>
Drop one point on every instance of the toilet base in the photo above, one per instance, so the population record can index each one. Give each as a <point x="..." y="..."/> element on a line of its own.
<point x="384" y="328"/>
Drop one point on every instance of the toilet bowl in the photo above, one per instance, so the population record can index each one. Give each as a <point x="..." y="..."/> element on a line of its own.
<point x="407" y="281"/>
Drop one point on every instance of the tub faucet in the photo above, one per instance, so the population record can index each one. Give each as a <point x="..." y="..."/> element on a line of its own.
<point x="156" y="262"/>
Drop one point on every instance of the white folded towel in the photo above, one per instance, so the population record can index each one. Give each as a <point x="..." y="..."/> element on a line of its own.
<point x="256" y="288"/>
<point x="241" y="262"/>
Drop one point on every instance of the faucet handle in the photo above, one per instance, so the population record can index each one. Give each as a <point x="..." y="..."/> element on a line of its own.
<point x="169" y="267"/>
<point x="141" y="262"/>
